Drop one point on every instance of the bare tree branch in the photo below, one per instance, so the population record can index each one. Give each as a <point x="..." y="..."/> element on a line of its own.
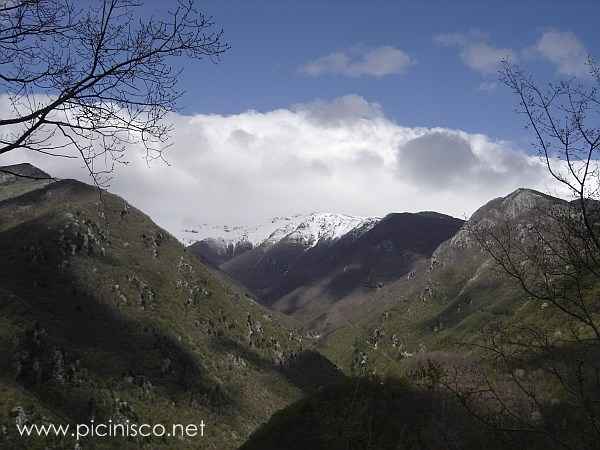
<point x="96" y="81"/>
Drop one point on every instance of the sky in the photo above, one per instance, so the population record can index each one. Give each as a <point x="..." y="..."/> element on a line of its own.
<point x="435" y="84"/>
<point x="355" y="107"/>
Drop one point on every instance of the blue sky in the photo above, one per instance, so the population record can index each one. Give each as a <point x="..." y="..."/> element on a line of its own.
<point x="271" y="40"/>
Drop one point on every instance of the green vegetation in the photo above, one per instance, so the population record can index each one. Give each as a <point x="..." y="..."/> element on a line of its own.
<point x="104" y="315"/>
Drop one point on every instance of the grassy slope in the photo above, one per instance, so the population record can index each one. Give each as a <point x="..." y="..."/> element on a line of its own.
<point x="449" y="302"/>
<point x="398" y="408"/>
<point x="104" y="314"/>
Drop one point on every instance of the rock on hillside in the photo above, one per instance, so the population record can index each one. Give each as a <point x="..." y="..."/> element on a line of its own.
<point x="516" y="206"/>
<point x="521" y="207"/>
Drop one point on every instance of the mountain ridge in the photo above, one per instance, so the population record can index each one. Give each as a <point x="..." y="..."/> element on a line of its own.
<point x="330" y="260"/>
<point x="308" y="230"/>
<point x="449" y="297"/>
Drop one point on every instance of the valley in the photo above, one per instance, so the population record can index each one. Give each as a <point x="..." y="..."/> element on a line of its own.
<point x="320" y="268"/>
<point x="106" y="315"/>
<point x="299" y="225"/>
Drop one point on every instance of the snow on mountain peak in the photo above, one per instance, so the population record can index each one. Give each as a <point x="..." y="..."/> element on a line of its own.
<point x="316" y="228"/>
<point x="307" y="230"/>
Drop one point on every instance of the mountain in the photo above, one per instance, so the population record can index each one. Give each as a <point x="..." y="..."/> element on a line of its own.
<point x="432" y="371"/>
<point x="448" y="298"/>
<point x="105" y="315"/>
<point x="319" y="268"/>
<point x="219" y="244"/>
<point x="418" y="329"/>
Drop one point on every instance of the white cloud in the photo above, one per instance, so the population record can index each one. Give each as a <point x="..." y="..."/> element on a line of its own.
<point x="475" y="52"/>
<point x="377" y="62"/>
<point x="342" y="155"/>
<point x="484" y="58"/>
<point x="565" y="50"/>
<point x="561" y="48"/>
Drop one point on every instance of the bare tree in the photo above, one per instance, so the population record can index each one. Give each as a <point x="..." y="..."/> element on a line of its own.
<point x="565" y="120"/>
<point x="89" y="83"/>
<point x="543" y="376"/>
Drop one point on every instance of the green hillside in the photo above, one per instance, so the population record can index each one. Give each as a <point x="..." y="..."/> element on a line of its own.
<point x="444" y="303"/>
<point x="457" y="356"/>
<point x="104" y="315"/>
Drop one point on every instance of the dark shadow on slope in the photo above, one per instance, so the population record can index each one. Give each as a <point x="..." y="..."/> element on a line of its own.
<point x="308" y="370"/>
<point x="94" y="342"/>
<point x="381" y="255"/>
<point x="370" y="414"/>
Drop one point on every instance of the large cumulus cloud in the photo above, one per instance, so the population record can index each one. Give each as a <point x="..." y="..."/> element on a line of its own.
<point x="440" y="160"/>
<point x="340" y="155"/>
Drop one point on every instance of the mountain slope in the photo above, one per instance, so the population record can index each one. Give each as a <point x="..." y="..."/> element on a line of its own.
<point x="105" y="315"/>
<point x="448" y="299"/>
<point x="372" y="413"/>
<point x="328" y="264"/>
<point x="326" y="286"/>
<point x="513" y="389"/>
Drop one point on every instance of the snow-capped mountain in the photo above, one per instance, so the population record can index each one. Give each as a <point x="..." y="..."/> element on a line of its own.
<point x="303" y="264"/>
<point x="307" y="230"/>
